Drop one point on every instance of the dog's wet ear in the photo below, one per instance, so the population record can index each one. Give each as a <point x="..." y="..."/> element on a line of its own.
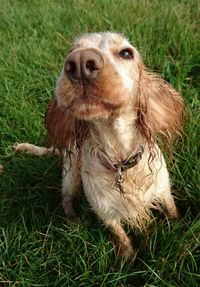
<point x="64" y="130"/>
<point x="160" y="107"/>
<point x="60" y="124"/>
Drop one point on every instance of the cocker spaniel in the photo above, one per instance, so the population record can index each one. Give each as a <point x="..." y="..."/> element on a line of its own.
<point x="103" y="121"/>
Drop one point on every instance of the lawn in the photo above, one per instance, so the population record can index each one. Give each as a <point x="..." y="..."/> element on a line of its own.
<point x="37" y="246"/>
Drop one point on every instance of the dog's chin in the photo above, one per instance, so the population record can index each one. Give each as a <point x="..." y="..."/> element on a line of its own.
<point x="93" y="107"/>
<point x="89" y="112"/>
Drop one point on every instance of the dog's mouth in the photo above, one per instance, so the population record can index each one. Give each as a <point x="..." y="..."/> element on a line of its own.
<point x="90" y="102"/>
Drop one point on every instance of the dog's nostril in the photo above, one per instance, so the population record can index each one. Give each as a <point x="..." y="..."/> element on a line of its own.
<point x="91" y="65"/>
<point x="70" y="67"/>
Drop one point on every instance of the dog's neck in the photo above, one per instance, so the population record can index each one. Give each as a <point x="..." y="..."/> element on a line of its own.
<point x="117" y="137"/>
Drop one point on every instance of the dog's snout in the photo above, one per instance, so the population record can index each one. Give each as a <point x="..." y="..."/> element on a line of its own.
<point x="84" y="65"/>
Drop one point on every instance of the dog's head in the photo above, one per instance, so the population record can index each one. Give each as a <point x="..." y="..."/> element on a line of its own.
<point x="102" y="77"/>
<point x="99" y="77"/>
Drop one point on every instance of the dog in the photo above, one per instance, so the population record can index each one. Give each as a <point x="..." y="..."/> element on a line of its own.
<point x="104" y="120"/>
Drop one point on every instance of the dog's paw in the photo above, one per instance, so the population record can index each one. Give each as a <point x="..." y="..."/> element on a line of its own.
<point x="70" y="213"/>
<point x="174" y="214"/>
<point x="72" y="219"/>
<point x="126" y="252"/>
<point x="1" y="168"/>
<point x="124" y="249"/>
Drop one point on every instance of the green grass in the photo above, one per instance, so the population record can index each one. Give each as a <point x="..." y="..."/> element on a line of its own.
<point x="37" y="247"/>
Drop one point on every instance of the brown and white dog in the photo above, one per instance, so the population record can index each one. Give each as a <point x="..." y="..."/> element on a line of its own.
<point x="104" y="120"/>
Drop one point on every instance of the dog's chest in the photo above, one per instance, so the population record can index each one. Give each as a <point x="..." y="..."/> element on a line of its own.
<point x="101" y="189"/>
<point x="141" y="185"/>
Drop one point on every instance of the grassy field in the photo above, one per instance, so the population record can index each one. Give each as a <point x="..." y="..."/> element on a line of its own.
<point x="37" y="247"/>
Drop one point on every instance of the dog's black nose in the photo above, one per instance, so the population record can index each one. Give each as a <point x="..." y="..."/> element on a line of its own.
<point x="84" y="65"/>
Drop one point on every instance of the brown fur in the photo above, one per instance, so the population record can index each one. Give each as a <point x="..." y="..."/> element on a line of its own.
<point x="64" y="129"/>
<point x="1" y="168"/>
<point x="160" y="107"/>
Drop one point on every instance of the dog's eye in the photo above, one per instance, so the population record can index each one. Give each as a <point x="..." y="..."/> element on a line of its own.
<point x="126" y="54"/>
<point x="70" y="50"/>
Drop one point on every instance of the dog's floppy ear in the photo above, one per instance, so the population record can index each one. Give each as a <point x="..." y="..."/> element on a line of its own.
<point x="160" y="107"/>
<point x="60" y="124"/>
<point x="64" y="130"/>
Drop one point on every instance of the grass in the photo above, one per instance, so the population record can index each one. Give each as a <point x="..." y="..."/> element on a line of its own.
<point x="37" y="247"/>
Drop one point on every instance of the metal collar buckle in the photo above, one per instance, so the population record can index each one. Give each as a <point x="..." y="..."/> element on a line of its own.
<point x="126" y="164"/>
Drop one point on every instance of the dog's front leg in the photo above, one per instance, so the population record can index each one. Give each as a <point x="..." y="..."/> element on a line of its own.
<point x="70" y="184"/>
<point x="125" y="245"/>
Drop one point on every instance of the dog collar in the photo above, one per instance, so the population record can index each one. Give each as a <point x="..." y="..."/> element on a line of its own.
<point x="126" y="164"/>
<point x="131" y="161"/>
<point x="119" y="167"/>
